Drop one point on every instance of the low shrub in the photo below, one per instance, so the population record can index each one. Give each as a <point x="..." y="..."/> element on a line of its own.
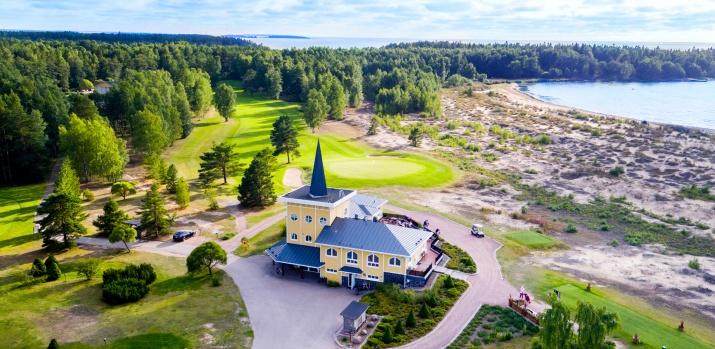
<point x="617" y="171"/>
<point x="124" y="291"/>
<point x="615" y="243"/>
<point x="571" y="229"/>
<point x="216" y="280"/>
<point x="87" y="267"/>
<point x="332" y="283"/>
<point x="694" y="264"/>
<point x="87" y="195"/>
<point x="228" y="236"/>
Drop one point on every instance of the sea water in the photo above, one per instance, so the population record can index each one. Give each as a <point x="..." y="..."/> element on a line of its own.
<point x="688" y="103"/>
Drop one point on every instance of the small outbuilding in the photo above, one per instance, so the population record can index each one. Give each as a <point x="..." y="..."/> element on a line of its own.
<point x="137" y="225"/>
<point x="354" y="316"/>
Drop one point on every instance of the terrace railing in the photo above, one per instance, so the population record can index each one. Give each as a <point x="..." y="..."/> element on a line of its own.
<point x="420" y="273"/>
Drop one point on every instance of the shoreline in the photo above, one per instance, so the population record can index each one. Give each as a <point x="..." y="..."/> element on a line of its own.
<point x="513" y="92"/>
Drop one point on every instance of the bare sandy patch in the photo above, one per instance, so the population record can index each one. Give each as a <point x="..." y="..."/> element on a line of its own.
<point x="293" y="177"/>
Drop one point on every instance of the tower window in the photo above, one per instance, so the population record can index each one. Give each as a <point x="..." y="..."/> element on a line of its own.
<point x="308" y="238"/>
<point x="294" y="236"/>
<point x="323" y="221"/>
<point x="308" y="219"/>
<point x="293" y="217"/>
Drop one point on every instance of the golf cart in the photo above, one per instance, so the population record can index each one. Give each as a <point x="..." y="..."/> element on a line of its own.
<point x="477" y="230"/>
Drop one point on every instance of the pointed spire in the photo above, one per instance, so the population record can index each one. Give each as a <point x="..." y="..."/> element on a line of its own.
<point x="318" y="185"/>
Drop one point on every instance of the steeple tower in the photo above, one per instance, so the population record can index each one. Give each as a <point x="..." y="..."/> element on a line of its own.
<point x="318" y="185"/>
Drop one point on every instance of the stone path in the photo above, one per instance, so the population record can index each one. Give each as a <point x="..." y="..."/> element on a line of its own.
<point x="486" y="287"/>
<point x="455" y="273"/>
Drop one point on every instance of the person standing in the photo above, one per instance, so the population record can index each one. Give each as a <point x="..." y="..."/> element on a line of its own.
<point x="521" y="292"/>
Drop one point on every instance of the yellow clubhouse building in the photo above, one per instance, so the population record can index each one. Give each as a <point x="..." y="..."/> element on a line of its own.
<point x="338" y="234"/>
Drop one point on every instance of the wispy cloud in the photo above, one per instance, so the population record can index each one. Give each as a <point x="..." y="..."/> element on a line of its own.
<point x="633" y="20"/>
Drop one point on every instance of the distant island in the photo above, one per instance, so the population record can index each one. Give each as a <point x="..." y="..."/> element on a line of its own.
<point x="269" y="36"/>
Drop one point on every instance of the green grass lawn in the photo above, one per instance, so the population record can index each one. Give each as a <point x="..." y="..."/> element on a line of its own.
<point x="653" y="333"/>
<point x="349" y="163"/>
<point x="533" y="240"/>
<point x="17" y="215"/>
<point x="262" y="240"/>
<point x="180" y="311"/>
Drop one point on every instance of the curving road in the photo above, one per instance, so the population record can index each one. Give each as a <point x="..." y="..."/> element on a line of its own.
<point x="487" y="286"/>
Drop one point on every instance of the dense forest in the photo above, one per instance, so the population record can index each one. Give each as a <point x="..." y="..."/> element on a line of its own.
<point x="162" y="81"/>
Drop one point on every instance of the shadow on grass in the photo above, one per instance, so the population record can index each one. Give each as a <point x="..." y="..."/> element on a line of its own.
<point x="151" y="340"/>
<point x="179" y="284"/>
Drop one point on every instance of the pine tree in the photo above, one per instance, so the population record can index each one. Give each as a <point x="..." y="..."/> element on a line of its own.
<point x="53" y="344"/>
<point x="49" y="261"/>
<point x="373" y="126"/>
<point x="171" y="176"/>
<point x="53" y="272"/>
<point x="256" y="189"/>
<point x="336" y="99"/>
<point x="416" y="136"/>
<point x="284" y="137"/>
<point x="399" y="329"/>
<point x="221" y="161"/>
<point x="67" y="180"/>
<point x="155" y="216"/>
<point x="182" y="193"/>
<point x="449" y="283"/>
<point x="387" y="335"/>
<point x="424" y="311"/>
<point x="411" y="322"/>
<point x="123" y="233"/>
<point x="38" y="268"/>
<point x="110" y="219"/>
<point x="64" y="216"/>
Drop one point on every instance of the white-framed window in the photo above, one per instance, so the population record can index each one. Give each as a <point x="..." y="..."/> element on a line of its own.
<point x="345" y="212"/>
<point x="373" y="277"/>
<point x="293" y="236"/>
<point x="394" y="261"/>
<point x="293" y="217"/>
<point x="308" y="238"/>
<point x="331" y="271"/>
<point x="331" y="252"/>
<point x="373" y="261"/>
<point x="323" y="221"/>
<point x="308" y="219"/>
<point x="352" y="258"/>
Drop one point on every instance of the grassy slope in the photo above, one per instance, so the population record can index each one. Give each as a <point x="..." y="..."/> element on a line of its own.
<point x="171" y="315"/>
<point x="652" y="332"/>
<point x="262" y="241"/>
<point x="17" y="214"/>
<point x="347" y="162"/>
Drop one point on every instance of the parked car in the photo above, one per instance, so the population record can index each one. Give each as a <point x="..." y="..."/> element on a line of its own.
<point x="182" y="235"/>
<point x="477" y="230"/>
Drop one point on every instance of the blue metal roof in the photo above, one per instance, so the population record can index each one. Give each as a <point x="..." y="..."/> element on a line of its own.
<point x="295" y="254"/>
<point x="372" y="236"/>
<point x="365" y="206"/>
<point x="318" y="185"/>
<point x="351" y="270"/>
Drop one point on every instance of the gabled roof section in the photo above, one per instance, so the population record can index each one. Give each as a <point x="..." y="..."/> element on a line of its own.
<point x="372" y="236"/>
<point x="365" y="206"/>
<point x="295" y="254"/>
<point x="318" y="185"/>
<point x="354" y="310"/>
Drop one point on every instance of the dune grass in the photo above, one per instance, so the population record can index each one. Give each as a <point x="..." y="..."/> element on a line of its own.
<point x="533" y="239"/>
<point x="180" y="311"/>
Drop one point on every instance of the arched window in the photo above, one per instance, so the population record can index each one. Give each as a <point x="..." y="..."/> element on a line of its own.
<point x="294" y="236"/>
<point x="394" y="261"/>
<point x="331" y="252"/>
<point x="308" y="219"/>
<point x="308" y="238"/>
<point x="293" y="217"/>
<point x="323" y="221"/>
<point x="373" y="261"/>
<point x="352" y="258"/>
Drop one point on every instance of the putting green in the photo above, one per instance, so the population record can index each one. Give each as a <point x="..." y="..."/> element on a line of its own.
<point x="531" y="239"/>
<point x="375" y="168"/>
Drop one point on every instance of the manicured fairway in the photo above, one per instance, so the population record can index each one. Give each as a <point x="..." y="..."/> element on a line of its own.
<point x="349" y="163"/>
<point x="654" y="333"/>
<point x="532" y="239"/>
<point x="17" y="214"/>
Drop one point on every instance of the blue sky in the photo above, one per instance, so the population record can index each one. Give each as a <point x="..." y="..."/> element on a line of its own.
<point x="606" y="20"/>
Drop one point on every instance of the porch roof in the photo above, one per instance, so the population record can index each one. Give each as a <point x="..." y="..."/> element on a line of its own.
<point x="351" y="270"/>
<point x="305" y="256"/>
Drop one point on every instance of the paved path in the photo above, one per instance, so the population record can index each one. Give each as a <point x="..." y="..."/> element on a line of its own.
<point x="486" y="287"/>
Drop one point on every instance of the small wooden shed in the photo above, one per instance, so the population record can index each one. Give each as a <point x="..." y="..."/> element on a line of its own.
<point x="354" y="316"/>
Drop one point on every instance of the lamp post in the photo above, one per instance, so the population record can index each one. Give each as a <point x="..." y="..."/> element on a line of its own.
<point x="105" y="342"/>
<point x="216" y="234"/>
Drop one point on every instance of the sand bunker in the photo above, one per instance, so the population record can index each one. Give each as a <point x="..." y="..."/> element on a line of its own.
<point x="293" y="177"/>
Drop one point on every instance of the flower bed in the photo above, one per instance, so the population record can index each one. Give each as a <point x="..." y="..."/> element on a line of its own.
<point x="408" y="316"/>
<point x="493" y="324"/>
<point x="459" y="259"/>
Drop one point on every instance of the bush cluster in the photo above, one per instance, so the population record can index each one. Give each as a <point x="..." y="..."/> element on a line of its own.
<point x="127" y="285"/>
